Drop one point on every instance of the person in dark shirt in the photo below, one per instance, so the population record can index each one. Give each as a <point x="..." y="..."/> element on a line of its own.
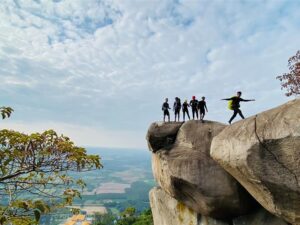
<point x="202" y="107"/>
<point x="165" y="108"/>
<point x="177" y="108"/>
<point x="194" y="105"/>
<point x="235" y="105"/>
<point x="185" y="109"/>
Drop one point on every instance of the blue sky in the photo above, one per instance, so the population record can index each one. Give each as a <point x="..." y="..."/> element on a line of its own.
<point x="98" y="71"/>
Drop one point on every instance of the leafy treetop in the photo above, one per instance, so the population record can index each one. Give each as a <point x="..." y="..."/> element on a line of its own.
<point x="291" y="80"/>
<point x="6" y="112"/>
<point x="38" y="165"/>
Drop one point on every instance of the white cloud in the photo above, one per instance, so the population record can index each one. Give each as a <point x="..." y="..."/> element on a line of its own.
<point x="109" y="64"/>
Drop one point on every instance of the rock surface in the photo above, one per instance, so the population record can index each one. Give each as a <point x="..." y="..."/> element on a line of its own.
<point x="188" y="173"/>
<point x="260" y="217"/>
<point x="263" y="154"/>
<point x="168" y="211"/>
<point x="162" y="135"/>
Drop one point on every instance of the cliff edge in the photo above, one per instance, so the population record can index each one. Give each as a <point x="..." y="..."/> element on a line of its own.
<point x="243" y="174"/>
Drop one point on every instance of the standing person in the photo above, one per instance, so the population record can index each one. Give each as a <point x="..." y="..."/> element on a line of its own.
<point x="177" y="108"/>
<point x="202" y="107"/>
<point x="165" y="108"/>
<point x="185" y="109"/>
<point x="234" y="104"/>
<point x="194" y="105"/>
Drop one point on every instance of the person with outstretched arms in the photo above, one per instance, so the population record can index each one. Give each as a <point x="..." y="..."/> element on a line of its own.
<point x="234" y="104"/>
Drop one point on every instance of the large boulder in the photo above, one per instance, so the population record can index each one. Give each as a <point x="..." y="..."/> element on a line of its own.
<point x="168" y="211"/>
<point x="263" y="154"/>
<point x="188" y="173"/>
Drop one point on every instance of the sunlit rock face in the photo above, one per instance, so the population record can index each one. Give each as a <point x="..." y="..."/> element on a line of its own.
<point x="183" y="168"/>
<point x="263" y="154"/>
<point x="168" y="211"/>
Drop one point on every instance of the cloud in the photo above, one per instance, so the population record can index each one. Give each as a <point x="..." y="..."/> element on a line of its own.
<point x="109" y="64"/>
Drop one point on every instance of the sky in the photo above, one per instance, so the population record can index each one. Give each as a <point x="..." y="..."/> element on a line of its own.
<point x="98" y="70"/>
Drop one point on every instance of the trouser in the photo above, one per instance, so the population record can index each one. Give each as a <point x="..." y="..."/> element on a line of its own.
<point x="195" y="111"/>
<point x="185" y="112"/>
<point x="177" y="114"/>
<point x="202" y="113"/>
<point x="235" y="112"/>
<point x="166" y="113"/>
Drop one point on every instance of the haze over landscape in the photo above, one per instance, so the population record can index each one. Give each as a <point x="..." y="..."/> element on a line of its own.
<point x="98" y="71"/>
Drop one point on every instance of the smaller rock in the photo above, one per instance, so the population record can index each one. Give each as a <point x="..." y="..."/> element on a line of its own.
<point x="162" y="135"/>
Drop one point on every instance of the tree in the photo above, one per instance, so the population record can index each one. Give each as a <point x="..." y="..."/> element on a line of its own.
<point x="6" y="112"/>
<point x="128" y="212"/>
<point x="104" y="219"/>
<point x="126" y="221"/>
<point x="35" y="174"/>
<point x="145" y="218"/>
<point x="291" y="80"/>
<point x="129" y="217"/>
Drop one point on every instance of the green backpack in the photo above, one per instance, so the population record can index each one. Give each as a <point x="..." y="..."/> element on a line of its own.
<point x="230" y="106"/>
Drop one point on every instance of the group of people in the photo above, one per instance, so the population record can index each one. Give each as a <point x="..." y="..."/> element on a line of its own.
<point x="199" y="108"/>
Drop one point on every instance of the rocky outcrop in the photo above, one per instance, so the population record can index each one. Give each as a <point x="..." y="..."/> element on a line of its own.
<point x="168" y="211"/>
<point x="182" y="166"/>
<point x="206" y="172"/>
<point x="263" y="154"/>
<point x="162" y="135"/>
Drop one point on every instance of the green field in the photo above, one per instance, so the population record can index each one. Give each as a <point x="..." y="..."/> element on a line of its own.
<point x="124" y="181"/>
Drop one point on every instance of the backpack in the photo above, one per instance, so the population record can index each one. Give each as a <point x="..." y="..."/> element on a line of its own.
<point x="230" y="106"/>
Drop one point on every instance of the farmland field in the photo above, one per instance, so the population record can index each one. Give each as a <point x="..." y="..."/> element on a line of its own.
<point x="124" y="181"/>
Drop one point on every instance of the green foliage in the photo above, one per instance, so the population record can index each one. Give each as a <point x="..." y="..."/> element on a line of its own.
<point x="145" y="218"/>
<point x="106" y="219"/>
<point x="128" y="217"/>
<point x="128" y="212"/>
<point x="38" y="165"/>
<point x="6" y="112"/>
<point x="126" y="221"/>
